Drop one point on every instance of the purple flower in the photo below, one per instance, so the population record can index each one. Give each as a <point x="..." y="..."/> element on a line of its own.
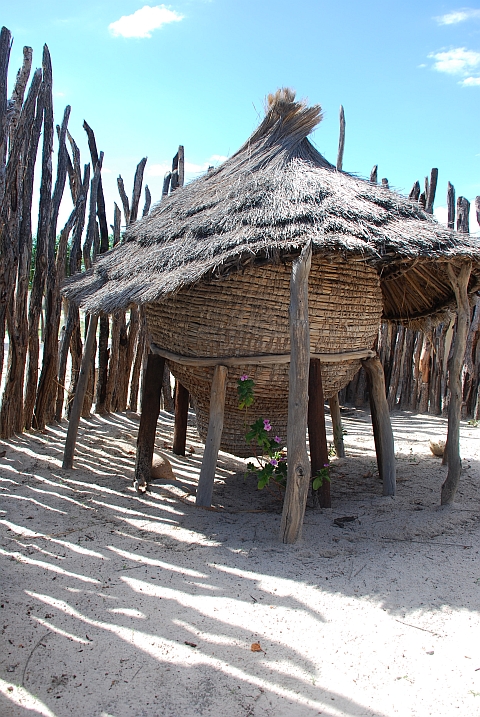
<point x="277" y="439"/>
<point x="244" y="377"/>
<point x="325" y="465"/>
<point x="266" y="424"/>
<point x="274" y="461"/>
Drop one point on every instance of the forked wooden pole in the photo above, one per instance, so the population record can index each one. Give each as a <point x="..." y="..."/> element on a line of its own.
<point x="181" y="419"/>
<point x="76" y="411"/>
<point x="298" y="473"/>
<point x="337" y="427"/>
<point x="317" y="435"/>
<point x="459" y="284"/>
<point x="151" y="391"/>
<point x="382" y="427"/>
<point x="214" y="437"/>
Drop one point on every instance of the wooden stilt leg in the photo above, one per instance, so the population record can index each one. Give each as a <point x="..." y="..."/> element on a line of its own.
<point x="181" y="419"/>
<point x="298" y="474"/>
<point x="151" y="391"/>
<point x="76" y="411"/>
<point x="317" y="434"/>
<point x="382" y="427"/>
<point x="214" y="437"/>
<point x="336" y="417"/>
<point x="452" y="449"/>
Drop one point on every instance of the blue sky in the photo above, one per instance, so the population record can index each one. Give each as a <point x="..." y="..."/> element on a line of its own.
<point x="195" y="72"/>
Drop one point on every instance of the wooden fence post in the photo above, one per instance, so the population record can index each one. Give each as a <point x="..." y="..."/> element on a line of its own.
<point x="298" y="473"/>
<point x="317" y="435"/>
<point x="382" y="427"/>
<point x="152" y="388"/>
<point x="337" y="427"/>
<point x="460" y="286"/>
<point x="181" y="419"/>
<point x="79" y="394"/>
<point x="214" y="437"/>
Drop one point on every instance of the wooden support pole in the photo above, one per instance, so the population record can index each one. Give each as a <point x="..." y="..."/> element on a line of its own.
<point x="79" y="394"/>
<point x="382" y="427"/>
<point x="181" y="418"/>
<point x="214" y="437"/>
<point x="317" y="435"/>
<point x="336" y="417"/>
<point x="152" y="388"/>
<point x="298" y="474"/>
<point x="341" y="140"/>
<point x="459" y="282"/>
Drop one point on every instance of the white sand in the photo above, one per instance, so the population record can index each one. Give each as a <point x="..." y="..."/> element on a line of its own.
<point x="102" y="589"/>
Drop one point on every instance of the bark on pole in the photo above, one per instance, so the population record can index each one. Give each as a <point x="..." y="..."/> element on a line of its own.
<point x="298" y="474"/>
<point x="46" y="393"/>
<point x="79" y="394"/>
<point x="459" y="281"/>
<point x="451" y="206"/>
<point x="5" y="47"/>
<point x="45" y="208"/>
<point x="415" y="191"/>
<point x="214" y="437"/>
<point x="382" y="427"/>
<point x="148" y="201"/>
<point x="152" y="387"/>
<point x="463" y="215"/>
<point x="374" y="174"/>
<point x="317" y="435"/>
<point x="75" y="259"/>
<point x="432" y="187"/>
<point x="337" y="427"/>
<point x="11" y="419"/>
<point x="341" y="140"/>
<point x="181" y="419"/>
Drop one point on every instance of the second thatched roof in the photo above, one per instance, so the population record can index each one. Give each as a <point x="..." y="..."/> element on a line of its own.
<point x="261" y="206"/>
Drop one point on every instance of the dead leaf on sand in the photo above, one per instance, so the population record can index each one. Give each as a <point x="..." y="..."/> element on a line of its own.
<point x="255" y="647"/>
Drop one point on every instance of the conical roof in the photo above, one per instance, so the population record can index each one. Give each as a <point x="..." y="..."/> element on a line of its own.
<point x="261" y="206"/>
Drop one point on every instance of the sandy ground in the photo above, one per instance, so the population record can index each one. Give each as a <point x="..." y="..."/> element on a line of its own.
<point x="119" y="605"/>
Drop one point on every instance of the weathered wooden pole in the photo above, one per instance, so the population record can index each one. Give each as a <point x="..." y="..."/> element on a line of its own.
<point x="79" y="394"/>
<point x="152" y="388"/>
<point x="181" y="419"/>
<point x="341" y="140"/>
<point x="317" y="435"/>
<point x="459" y="282"/>
<point x="214" y="437"/>
<point x="382" y="427"/>
<point x="298" y="474"/>
<point x="337" y="427"/>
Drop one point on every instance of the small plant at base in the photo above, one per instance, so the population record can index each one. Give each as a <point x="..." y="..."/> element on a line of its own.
<point x="271" y="464"/>
<point x="322" y="475"/>
<point x="245" y="392"/>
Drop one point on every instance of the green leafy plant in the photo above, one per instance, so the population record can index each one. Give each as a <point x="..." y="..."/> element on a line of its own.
<point x="271" y="464"/>
<point x="322" y="475"/>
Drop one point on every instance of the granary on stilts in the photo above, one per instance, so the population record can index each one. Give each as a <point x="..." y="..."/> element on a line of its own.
<point x="212" y="267"/>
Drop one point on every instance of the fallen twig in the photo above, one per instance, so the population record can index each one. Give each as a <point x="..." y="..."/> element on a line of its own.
<point x="47" y="635"/>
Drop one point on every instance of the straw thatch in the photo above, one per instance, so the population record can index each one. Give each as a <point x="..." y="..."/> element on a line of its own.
<point x="212" y="263"/>
<point x="261" y="206"/>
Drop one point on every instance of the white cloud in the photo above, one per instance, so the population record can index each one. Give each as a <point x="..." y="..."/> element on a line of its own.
<point x="158" y="170"/>
<point x="471" y="82"/>
<point x="453" y="18"/>
<point x="143" y="21"/>
<point x="457" y="61"/>
<point x="441" y="214"/>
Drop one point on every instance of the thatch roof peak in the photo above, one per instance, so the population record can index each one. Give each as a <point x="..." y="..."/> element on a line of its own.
<point x="285" y="119"/>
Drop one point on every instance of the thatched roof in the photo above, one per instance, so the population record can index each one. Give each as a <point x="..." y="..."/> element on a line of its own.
<point x="261" y="206"/>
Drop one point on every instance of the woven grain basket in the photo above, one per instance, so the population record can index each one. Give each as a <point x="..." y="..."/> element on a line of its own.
<point x="246" y="314"/>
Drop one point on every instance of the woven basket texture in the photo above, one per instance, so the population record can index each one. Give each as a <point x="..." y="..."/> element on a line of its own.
<point x="246" y="314"/>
